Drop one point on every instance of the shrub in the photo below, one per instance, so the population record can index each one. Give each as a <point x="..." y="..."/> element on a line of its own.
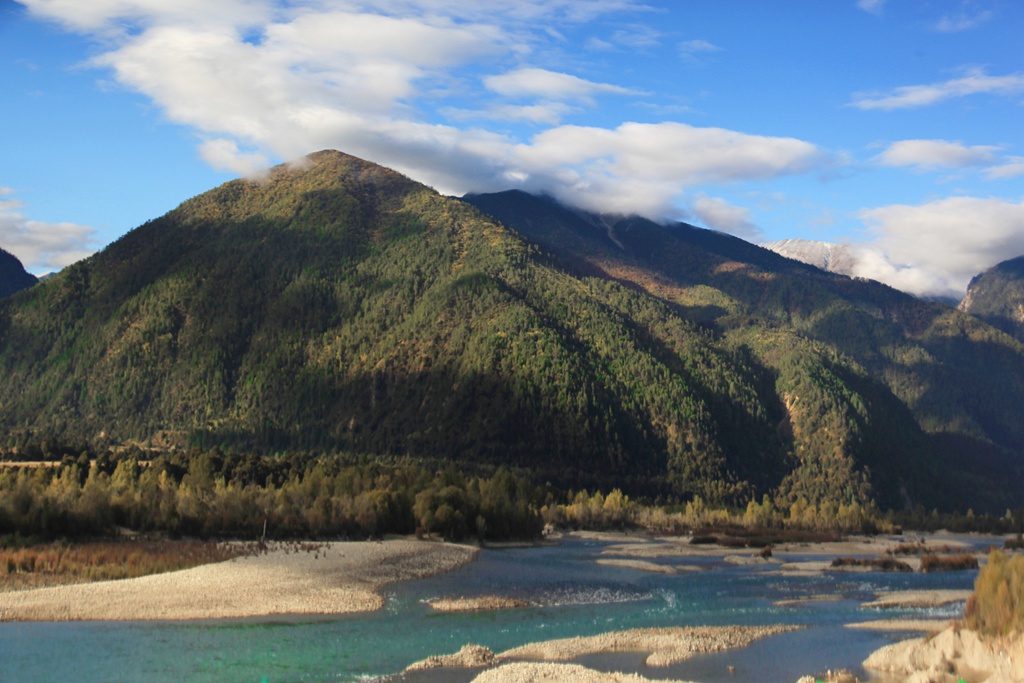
<point x="997" y="605"/>
<point x="922" y="549"/>
<point x="881" y="564"/>
<point x="703" y="540"/>
<point x="934" y="563"/>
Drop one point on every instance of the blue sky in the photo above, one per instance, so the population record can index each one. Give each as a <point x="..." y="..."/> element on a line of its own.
<point x="890" y="125"/>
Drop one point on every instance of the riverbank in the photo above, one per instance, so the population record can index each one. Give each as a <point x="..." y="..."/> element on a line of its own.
<point x="334" y="578"/>
<point x="954" y="654"/>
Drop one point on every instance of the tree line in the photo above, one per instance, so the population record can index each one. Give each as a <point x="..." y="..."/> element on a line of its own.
<point x="243" y="495"/>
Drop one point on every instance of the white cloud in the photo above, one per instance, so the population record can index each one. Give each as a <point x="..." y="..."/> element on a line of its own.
<point x="719" y="214"/>
<point x="637" y="37"/>
<point x="962" y="22"/>
<point x="224" y="155"/>
<point x="933" y="154"/>
<point x="690" y="47"/>
<point x="873" y="6"/>
<point x="550" y="85"/>
<point x="641" y="167"/>
<point x="549" y="113"/>
<point x="113" y="17"/>
<point x="1011" y="168"/>
<point x="936" y="248"/>
<point x="267" y="80"/>
<point x="41" y="246"/>
<point x="975" y="81"/>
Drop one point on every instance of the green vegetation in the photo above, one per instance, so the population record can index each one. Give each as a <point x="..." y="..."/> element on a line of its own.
<point x="997" y="605"/>
<point x="879" y="395"/>
<point x="244" y="496"/>
<point x="342" y="308"/>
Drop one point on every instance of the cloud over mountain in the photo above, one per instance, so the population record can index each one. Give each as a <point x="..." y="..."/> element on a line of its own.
<point x="41" y="246"/>
<point x="258" y="81"/>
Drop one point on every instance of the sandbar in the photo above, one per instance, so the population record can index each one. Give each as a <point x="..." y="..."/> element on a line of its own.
<point x="337" y="578"/>
<point x="807" y="599"/>
<point x="918" y="598"/>
<point x="665" y="646"/>
<point x="485" y="602"/>
<point x="646" y="566"/>
<point x="539" y="661"/>
<point x="923" y="625"/>
<point x="546" y="672"/>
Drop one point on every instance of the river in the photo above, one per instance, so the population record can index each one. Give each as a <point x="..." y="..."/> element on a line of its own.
<point x="576" y="596"/>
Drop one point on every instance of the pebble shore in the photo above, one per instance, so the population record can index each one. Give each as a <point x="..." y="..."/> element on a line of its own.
<point x="335" y="578"/>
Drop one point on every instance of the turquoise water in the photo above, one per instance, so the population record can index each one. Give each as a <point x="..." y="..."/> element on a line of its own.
<point x="580" y="598"/>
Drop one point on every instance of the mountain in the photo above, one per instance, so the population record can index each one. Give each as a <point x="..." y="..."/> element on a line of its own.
<point x="13" y="276"/>
<point x="895" y="388"/>
<point x="835" y="258"/>
<point x="339" y="306"/>
<point x="997" y="297"/>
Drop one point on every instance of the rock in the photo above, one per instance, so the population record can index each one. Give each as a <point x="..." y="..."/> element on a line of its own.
<point x="470" y="656"/>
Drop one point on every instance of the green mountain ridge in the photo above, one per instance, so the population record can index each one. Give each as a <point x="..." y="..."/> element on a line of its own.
<point x="13" y="276"/>
<point x="339" y="306"/>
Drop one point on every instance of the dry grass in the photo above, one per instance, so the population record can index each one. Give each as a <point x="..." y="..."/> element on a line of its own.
<point x="954" y="563"/>
<point x="922" y="549"/>
<point x="60" y="563"/>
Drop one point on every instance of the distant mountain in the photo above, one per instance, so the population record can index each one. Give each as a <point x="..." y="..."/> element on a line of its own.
<point x="905" y="385"/>
<point x="997" y="297"/>
<point x="339" y="306"/>
<point x="13" y="276"/>
<point x="834" y="258"/>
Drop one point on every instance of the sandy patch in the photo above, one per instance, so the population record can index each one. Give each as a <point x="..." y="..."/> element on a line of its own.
<point x="805" y="568"/>
<point x="796" y="602"/>
<point x="547" y="672"/>
<point x="339" y="578"/>
<point x="920" y="598"/>
<point x="486" y="602"/>
<point x="647" y="566"/>
<point x="923" y="625"/>
<point x="666" y="646"/>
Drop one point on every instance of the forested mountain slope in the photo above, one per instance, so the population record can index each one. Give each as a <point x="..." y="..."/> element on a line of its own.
<point x="339" y="306"/>
<point x="895" y="379"/>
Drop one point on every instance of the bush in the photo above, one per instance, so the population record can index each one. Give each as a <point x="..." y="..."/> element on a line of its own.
<point x="997" y="605"/>
<point x="934" y="563"/>
<point x="881" y="564"/>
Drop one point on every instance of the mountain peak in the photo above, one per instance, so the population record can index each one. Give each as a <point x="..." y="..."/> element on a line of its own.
<point x="830" y="257"/>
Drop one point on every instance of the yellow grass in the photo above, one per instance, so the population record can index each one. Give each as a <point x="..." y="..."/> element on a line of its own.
<point x="60" y="563"/>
